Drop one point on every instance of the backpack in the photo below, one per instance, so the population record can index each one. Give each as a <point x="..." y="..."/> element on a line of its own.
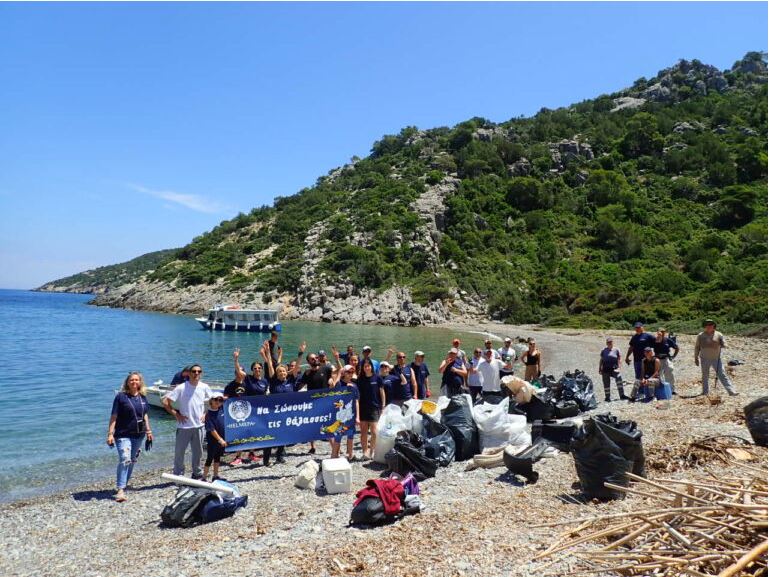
<point x="181" y="511"/>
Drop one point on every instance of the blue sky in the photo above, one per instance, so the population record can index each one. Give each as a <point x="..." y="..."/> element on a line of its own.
<point x="131" y="127"/>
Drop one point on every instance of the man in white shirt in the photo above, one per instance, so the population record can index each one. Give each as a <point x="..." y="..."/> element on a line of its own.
<point x="488" y="370"/>
<point x="487" y="344"/>
<point x="191" y="397"/>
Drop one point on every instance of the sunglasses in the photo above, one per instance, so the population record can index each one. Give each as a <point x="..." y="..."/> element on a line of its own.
<point x="401" y="357"/>
<point x="195" y="372"/>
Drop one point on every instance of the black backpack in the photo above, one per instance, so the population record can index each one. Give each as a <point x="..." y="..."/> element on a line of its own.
<point x="182" y="510"/>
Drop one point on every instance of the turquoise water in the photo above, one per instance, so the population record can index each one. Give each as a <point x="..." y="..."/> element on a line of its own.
<point x="63" y="361"/>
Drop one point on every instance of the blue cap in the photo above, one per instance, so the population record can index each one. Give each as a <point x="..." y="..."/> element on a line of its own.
<point x="638" y="325"/>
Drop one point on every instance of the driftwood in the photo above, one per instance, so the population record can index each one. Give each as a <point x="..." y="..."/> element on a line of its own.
<point x="702" y="529"/>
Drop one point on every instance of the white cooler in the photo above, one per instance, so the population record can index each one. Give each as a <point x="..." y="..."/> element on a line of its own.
<point x="337" y="475"/>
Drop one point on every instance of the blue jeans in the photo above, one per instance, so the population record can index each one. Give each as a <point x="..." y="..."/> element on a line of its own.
<point x="127" y="452"/>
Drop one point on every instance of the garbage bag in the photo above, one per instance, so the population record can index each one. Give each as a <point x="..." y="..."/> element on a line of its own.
<point x="496" y="427"/>
<point x="577" y="387"/>
<point x="412" y="415"/>
<point x="521" y="390"/>
<point x="538" y="409"/>
<point x="756" y="419"/>
<point x="598" y="460"/>
<point x="493" y="398"/>
<point x="557" y="434"/>
<point x="458" y="417"/>
<point x="627" y="436"/>
<point x="407" y="456"/>
<point x="566" y="409"/>
<point x="492" y="422"/>
<point x="439" y="444"/>
<point x="216" y="509"/>
<point x="391" y="422"/>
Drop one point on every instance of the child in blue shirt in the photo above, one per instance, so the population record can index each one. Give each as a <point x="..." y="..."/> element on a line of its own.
<point x="214" y="436"/>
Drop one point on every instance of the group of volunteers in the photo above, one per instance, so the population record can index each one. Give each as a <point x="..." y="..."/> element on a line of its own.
<point x="376" y="384"/>
<point x="652" y="356"/>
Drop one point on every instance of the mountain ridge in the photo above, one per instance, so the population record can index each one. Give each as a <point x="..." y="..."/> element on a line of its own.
<point x="551" y="219"/>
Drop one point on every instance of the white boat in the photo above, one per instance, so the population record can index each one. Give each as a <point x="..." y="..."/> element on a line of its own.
<point x="234" y="318"/>
<point x="157" y="390"/>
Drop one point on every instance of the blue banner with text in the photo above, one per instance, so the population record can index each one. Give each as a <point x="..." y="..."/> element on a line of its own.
<point x="286" y="419"/>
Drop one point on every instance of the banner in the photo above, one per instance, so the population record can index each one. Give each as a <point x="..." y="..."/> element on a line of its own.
<point x="275" y="420"/>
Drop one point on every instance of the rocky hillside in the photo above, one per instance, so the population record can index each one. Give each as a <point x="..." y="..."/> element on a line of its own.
<point x="105" y="278"/>
<point x="648" y="203"/>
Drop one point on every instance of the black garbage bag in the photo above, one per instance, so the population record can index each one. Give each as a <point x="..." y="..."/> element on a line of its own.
<point x="458" y="417"/>
<point x="515" y="408"/>
<point x="577" y="387"/>
<point x="408" y="456"/>
<point x="439" y="444"/>
<point x="628" y="437"/>
<point x="492" y="399"/>
<point x="756" y="419"/>
<point x="523" y="463"/>
<point x="557" y="434"/>
<point x="539" y="409"/>
<point x="566" y="409"/>
<point x="598" y="460"/>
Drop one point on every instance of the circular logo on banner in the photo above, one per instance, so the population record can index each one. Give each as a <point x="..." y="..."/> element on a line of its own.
<point x="240" y="410"/>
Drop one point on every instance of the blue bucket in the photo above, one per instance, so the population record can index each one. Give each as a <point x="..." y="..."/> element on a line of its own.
<point x="663" y="392"/>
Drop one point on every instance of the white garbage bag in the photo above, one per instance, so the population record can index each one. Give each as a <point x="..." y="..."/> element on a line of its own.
<point x="391" y="422"/>
<point x="497" y="428"/>
<point x="412" y="415"/>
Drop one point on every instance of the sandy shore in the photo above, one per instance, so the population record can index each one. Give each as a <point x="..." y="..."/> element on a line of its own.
<point x="476" y="523"/>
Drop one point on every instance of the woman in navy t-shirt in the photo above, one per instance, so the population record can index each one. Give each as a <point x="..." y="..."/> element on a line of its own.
<point x="372" y="399"/>
<point x="129" y="423"/>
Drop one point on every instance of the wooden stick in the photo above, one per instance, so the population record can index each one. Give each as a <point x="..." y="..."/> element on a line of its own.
<point x="603" y="533"/>
<point x="637" y="492"/>
<point x="745" y="560"/>
<point x="672" y="510"/>
<point x="629" y="537"/>
<point x="677" y="536"/>
<point x="663" y="488"/>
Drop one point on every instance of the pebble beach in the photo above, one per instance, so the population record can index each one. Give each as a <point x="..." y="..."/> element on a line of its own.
<point x="477" y="522"/>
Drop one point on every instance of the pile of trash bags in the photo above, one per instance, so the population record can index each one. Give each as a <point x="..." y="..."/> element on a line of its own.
<point x="424" y="436"/>
<point x="567" y="397"/>
<point x="604" y="449"/>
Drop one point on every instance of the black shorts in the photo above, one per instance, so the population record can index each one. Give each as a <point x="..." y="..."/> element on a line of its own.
<point x="214" y="451"/>
<point x="369" y="414"/>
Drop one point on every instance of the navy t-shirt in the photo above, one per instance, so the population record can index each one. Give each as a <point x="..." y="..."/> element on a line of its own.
<point x="402" y="392"/>
<point x="128" y="411"/>
<point x="214" y="422"/>
<point x="178" y="379"/>
<point x="639" y="342"/>
<point x="278" y="387"/>
<point x="453" y="381"/>
<point x="255" y="386"/>
<point x="368" y="390"/>
<point x="391" y="385"/>
<point x="421" y="372"/>
<point x="610" y="360"/>
<point x="662" y="349"/>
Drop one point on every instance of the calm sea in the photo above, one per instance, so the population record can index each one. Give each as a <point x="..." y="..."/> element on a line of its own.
<point x="63" y="360"/>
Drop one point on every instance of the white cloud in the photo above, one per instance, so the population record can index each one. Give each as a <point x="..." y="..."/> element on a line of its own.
<point x="192" y="201"/>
